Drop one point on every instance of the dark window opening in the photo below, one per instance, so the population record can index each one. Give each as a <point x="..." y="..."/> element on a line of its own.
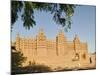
<point x="84" y="56"/>
<point x="76" y="57"/>
<point x="90" y="60"/>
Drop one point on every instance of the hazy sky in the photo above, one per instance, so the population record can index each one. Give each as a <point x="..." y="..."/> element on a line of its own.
<point x="83" y="25"/>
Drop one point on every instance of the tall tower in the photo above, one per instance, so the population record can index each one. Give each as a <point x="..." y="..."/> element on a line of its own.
<point x="76" y="43"/>
<point x="41" y="43"/>
<point x="81" y="51"/>
<point x="18" y="42"/>
<point x="61" y="43"/>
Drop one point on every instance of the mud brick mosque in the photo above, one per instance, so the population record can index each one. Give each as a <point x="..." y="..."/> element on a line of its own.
<point x="59" y="52"/>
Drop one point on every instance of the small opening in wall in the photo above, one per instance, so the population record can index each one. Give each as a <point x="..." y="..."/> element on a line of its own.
<point x="76" y="57"/>
<point x="84" y="56"/>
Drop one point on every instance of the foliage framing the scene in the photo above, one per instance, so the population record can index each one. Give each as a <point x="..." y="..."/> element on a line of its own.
<point x="62" y="13"/>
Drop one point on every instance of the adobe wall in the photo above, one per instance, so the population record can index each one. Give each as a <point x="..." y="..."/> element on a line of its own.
<point x="54" y="53"/>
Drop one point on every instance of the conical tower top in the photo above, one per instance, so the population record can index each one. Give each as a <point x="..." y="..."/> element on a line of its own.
<point x="61" y="32"/>
<point x="76" y="38"/>
<point x="41" y="32"/>
<point x="18" y="35"/>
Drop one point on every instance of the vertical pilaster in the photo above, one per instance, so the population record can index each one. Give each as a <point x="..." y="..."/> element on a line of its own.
<point x="41" y="44"/>
<point x="18" y="42"/>
<point x="61" y="44"/>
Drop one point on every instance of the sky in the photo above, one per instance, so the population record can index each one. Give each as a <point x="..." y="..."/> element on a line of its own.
<point x="83" y="24"/>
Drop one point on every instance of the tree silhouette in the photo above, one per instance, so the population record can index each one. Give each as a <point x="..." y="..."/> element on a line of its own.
<point x="62" y="13"/>
<point x="17" y="58"/>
